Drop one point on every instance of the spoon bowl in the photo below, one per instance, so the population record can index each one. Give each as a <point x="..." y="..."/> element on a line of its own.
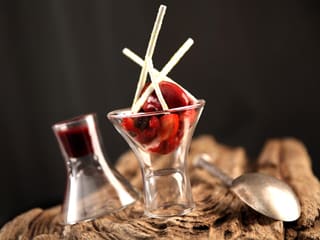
<point x="265" y="194"/>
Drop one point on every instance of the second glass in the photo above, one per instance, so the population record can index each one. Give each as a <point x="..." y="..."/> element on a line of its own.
<point x="161" y="141"/>
<point x="94" y="188"/>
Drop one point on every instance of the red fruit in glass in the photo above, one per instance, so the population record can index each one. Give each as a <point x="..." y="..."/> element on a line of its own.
<point x="150" y="132"/>
<point x="169" y="126"/>
<point x="188" y="116"/>
<point x="163" y="131"/>
<point x="173" y="95"/>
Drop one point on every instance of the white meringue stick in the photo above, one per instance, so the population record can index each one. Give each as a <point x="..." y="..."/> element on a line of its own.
<point x="160" y="75"/>
<point x="150" y="50"/>
<point x="155" y="85"/>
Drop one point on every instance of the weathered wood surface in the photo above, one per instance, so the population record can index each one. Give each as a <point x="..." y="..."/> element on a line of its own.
<point x="218" y="213"/>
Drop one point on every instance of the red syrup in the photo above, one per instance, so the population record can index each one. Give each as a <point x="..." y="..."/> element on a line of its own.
<point x="76" y="141"/>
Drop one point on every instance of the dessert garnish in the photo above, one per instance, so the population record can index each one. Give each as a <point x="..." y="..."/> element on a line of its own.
<point x="159" y="133"/>
<point x="160" y="76"/>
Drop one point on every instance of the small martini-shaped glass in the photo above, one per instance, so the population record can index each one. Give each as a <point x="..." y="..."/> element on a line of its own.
<point x="160" y="141"/>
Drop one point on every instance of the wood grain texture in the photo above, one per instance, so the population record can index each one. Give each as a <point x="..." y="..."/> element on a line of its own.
<point x="218" y="213"/>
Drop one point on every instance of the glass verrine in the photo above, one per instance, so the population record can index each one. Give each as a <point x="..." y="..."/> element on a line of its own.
<point x="160" y="141"/>
<point x="93" y="187"/>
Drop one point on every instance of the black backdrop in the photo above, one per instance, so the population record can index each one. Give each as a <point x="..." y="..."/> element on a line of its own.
<point x="256" y="63"/>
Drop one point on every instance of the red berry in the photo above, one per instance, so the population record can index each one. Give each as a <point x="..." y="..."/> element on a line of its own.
<point x="128" y="124"/>
<point x="173" y="143"/>
<point x="147" y="135"/>
<point x="169" y="126"/>
<point x="168" y="136"/>
<point x="189" y="116"/>
<point x="154" y="122"/>
<point x="150" y="131"/>
<point x="166" y="146"/>
<point x="173" y="95"/>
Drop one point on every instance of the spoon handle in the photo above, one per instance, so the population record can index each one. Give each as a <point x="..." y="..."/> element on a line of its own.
<point x="202" y="161"/>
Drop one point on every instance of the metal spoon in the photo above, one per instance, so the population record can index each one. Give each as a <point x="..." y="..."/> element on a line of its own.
<point x="265" y="194"/>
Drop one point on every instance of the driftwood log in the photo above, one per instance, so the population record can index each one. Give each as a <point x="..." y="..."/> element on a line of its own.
<point x="218" y="213"/>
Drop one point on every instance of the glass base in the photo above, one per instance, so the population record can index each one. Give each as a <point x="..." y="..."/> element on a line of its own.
<point x="170" y="210"/>
<point x="167" y="193"/>
<point x="100" y="214"/>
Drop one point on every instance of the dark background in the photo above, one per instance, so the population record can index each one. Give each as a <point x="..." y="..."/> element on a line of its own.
<point x="256" y="64"/>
